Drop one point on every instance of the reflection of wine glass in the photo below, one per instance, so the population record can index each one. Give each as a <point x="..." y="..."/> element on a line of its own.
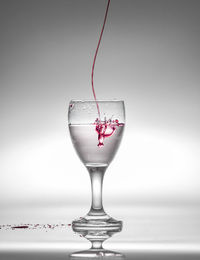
<point x="99" y="256"/>
<point x="96" y="141"/>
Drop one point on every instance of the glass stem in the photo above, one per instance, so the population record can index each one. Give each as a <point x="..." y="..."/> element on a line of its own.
<point x="96" y="177"/>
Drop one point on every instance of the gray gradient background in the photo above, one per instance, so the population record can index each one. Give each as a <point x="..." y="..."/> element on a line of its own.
<point x="149" y="56"/>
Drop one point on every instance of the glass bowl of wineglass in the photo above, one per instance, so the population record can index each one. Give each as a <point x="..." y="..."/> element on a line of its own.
<point x="96" y="129"/>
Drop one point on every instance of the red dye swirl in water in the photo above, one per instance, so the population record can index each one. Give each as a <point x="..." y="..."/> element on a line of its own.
<point x="105" y="129"/>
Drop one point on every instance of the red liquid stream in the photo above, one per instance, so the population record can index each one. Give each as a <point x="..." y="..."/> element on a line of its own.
<point x="106" y="128"/>
<point x="104" y="22"/>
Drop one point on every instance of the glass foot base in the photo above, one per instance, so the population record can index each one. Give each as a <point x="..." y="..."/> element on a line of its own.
<point x="97" y="254"/>
<point x="97" y="228"/>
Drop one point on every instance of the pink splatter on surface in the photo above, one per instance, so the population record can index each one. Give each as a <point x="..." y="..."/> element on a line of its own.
<point x="34" y="226"/>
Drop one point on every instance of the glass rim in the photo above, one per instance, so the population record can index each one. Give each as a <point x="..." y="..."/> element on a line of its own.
<point x="98" y="100"/>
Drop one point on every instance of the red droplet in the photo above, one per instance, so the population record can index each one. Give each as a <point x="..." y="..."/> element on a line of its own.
<point x="20" y="227"/>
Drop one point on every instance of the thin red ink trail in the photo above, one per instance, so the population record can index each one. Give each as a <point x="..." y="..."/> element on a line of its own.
<point x="105" y="17"/>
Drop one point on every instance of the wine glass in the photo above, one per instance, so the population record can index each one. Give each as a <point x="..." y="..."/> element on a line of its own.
<point x="96" y="129"/>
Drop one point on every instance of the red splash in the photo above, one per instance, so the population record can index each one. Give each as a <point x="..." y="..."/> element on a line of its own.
<point x="105" y="129"/>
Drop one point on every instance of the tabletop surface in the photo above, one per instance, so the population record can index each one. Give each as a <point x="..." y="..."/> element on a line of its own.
<point x="149" y="232"/>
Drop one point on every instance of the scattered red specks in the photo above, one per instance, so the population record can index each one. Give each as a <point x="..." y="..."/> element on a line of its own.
<point x="33" y="226"/>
